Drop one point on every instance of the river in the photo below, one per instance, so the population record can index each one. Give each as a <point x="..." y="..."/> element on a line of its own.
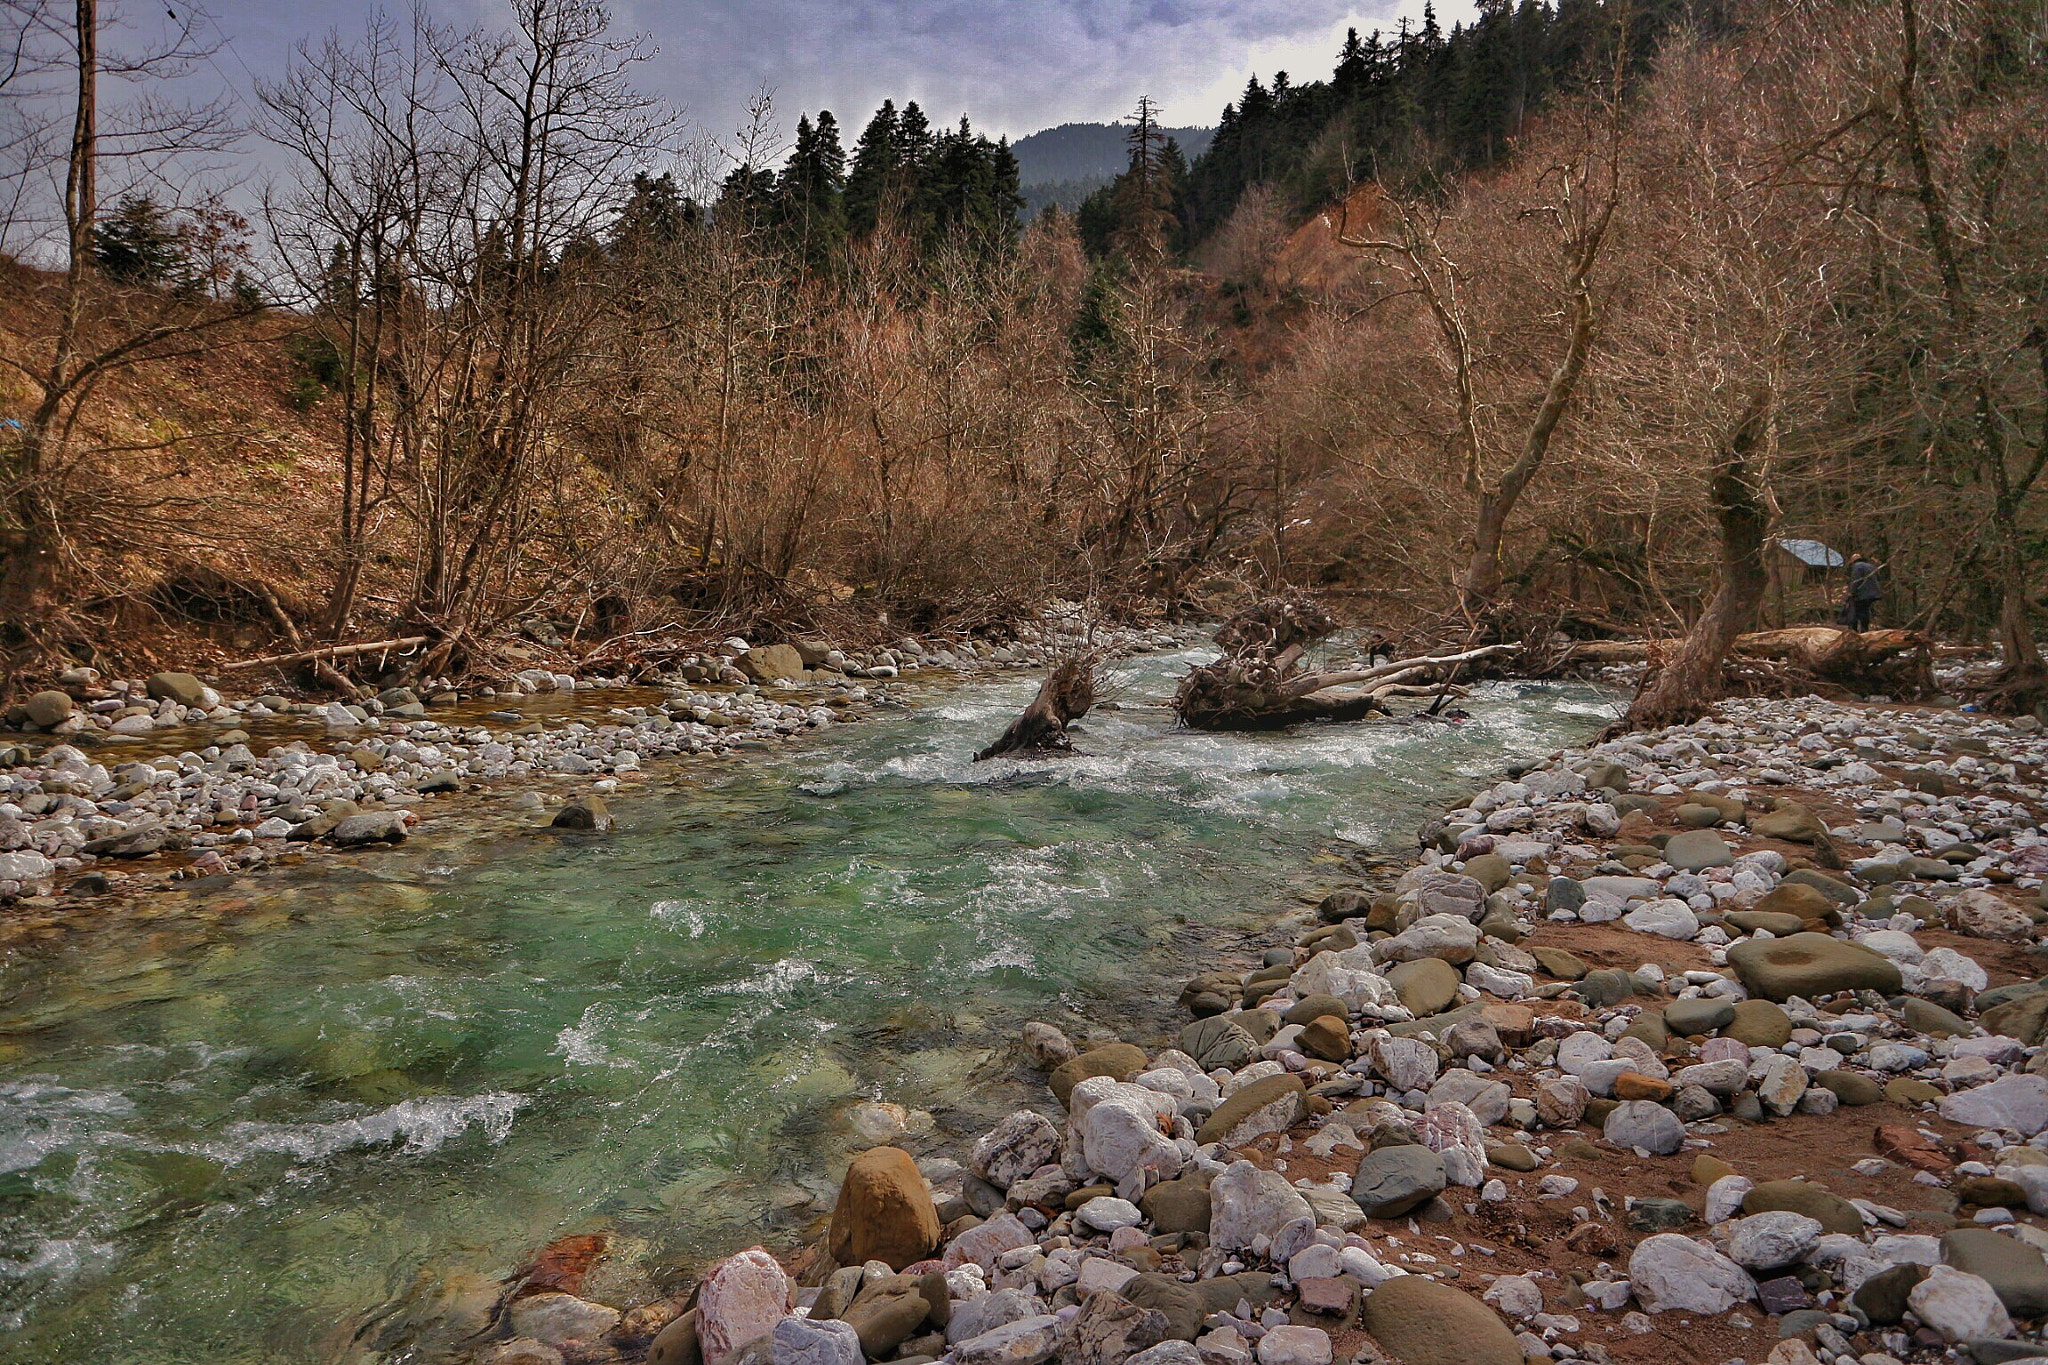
<point x="273" y="1122"/>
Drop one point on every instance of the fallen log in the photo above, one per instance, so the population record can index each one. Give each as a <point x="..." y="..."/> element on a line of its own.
<point x="1803" y="645"/>
<point x="328" y="652"/>
<point x="1066" y="695"/>
<point x="1898" y="663"/>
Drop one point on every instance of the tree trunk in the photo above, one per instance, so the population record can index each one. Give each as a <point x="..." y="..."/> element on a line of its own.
<point x="1693" y="678"/>
<point x="1066" y="695"/>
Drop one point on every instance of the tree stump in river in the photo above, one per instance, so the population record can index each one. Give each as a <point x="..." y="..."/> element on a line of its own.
<point x="1063" y="698"/>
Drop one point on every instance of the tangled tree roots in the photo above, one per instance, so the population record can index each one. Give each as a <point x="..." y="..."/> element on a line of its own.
<point x="1066" y="695"/>
<point x="1261" y="682"/>
<point x="2016" y="690"/>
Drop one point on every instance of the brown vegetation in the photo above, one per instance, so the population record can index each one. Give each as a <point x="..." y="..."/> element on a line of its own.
<point x="1785" y="284"/>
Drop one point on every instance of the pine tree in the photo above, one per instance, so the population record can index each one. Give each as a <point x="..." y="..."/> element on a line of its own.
<point x="813" y="192"/>
<point x="139" y="243"/>
<point x="877" y="158"/>
<point x="1353" y="72"/>
<point x="1144" y="195"/>
<point x="655" y="214"/>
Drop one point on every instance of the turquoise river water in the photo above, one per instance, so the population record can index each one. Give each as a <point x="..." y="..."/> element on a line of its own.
<point x="292" y="1119"/>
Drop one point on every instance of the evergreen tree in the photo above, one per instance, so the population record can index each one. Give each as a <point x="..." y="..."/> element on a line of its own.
<point x="1144" y="194"/>
<point x="140" y="243"/>
<point x="877" y="159"/>
<point x="655" y="214"/>
<point x="813" y="192"/>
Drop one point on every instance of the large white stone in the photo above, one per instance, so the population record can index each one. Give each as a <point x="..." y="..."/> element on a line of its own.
<point x="1014" y="1148"/>
<point x="1295" y="1346"/>
<point x="2019" y="1103"/>
<point x="1454" y="1133"/>
<point x="1029" y="1341"/>
<point x="981" y="1244"/>
<point x="25" y="867"/>
<point x="1121" y="1133"/>
<point x="1673" y="1273"/>
<point x="1960" y="1306"/>
<point x="1246" y="1202"/>
<point x="799" y="1341"/>
<point x="1766" y="1241"/>
<point x="1449" y="937"/>
<point x="1404" y="1063"/>
<point x="1666" y="918"/>
<point x="1725" y="1196"/>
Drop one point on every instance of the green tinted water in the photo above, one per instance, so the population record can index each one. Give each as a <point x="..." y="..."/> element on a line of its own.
<point x="232" y="1130"/>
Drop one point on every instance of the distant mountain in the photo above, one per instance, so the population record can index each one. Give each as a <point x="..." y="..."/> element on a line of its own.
<point x="1090" y="151"/>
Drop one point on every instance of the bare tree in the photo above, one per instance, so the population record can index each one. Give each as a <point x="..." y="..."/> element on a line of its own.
<point x="81" y="328"/>
<point x="1500" y="439"/>
<point x="453" y="193"/>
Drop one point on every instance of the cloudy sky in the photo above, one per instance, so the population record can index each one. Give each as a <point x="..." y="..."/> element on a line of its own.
<point x="1015" y="66"/>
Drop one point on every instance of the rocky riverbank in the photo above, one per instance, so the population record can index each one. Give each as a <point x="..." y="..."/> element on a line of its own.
<point x="94" y="798"/>
<point x="1717" y="1044"/>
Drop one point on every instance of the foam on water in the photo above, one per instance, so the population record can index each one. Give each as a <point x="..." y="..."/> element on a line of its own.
<point x="418" y="1126"/>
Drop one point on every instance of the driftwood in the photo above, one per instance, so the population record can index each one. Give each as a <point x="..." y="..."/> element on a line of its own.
<point x="1896" y="662"/>
<point x="1807" y="646"/>
<point x="1261" y="683"/>
<point x="328" y="652"/>
<point x="1065" y="696"/>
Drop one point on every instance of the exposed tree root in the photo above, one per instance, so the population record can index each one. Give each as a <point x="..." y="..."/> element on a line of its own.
<point x="1261" y="683"/>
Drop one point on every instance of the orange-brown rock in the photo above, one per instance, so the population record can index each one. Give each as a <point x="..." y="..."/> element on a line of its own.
<point x="1631" y="1085"/>
<point x="884" y="1213"/>
<point x="1910" y="1147"/>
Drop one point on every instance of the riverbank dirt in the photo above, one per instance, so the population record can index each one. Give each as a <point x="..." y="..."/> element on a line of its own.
<point x="1717" y="1044"/>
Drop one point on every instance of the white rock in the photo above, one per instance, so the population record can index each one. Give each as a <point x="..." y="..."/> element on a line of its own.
<point x="1666" y="918"/>
<point x="1780" y="1083"/>
<point x="1106" y="1214"/>
<point x="1766" y="1241"/>
<point x="1947" y="962"/>
<point x="799" y="1341"/>
<point x="1517" y="1296"/>
<point x="2018" y="1103"/>
<point x="1031" y="1341"/>
<point x="1508" y="985"/>
<point x="985" y="1313"/>
<point x="1246" y="1202"/>
<point x="1960" y="1306"/>
<point x="1404" y="1063"/>
<point x="1725" y="1196"/>
<point x="1447" y="936"/>
<point x="1099" y="1273"/>
<point x="980" y="1245"/>
<point x="1014" y="1148"/>
<point x="1295" y="1346"/>
<point x="1673" y="1273"/>
<point x="742" y="1298"/>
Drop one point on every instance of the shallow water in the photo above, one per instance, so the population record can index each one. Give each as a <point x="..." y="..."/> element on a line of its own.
<point x="280" y="1121"/>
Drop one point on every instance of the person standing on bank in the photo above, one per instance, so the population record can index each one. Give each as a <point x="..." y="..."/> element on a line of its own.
<point x="1865" y="589"/>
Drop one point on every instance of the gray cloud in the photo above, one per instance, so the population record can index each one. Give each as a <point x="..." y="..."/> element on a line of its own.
<point x="1015" y="66"/>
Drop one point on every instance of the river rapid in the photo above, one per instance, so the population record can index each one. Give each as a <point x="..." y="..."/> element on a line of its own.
<point x="294" y="1119"/>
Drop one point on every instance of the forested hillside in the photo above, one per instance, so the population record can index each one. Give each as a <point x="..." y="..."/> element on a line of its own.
<point x="1539" y="324"/>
